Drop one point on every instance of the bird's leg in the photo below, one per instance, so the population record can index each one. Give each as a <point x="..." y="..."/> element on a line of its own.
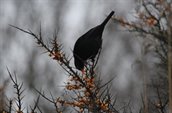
<point x="92" y="67"/>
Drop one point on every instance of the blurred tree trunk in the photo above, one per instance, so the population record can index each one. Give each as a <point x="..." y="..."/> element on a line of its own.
<point x="170" y="64"/>
<point x="144" y="75"/>
<point x="169" y="36"/>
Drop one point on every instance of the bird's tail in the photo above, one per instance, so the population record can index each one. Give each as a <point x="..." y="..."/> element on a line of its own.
<point x="107" y="19"/>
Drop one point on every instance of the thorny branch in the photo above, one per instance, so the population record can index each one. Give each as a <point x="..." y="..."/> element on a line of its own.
<point x="88" y="96"/>
<point x="19" y="92"/>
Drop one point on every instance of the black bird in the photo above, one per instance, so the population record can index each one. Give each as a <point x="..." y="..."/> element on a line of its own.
<point x="88" y="45"/>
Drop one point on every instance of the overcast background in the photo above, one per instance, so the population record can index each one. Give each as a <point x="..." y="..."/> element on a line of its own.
<point x="71" y="18"/>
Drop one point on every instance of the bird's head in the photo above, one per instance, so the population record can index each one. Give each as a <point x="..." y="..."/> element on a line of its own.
<point x="79" y="64"/>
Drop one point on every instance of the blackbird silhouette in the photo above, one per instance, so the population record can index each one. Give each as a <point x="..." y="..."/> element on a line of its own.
<point x="88" y="45"/>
